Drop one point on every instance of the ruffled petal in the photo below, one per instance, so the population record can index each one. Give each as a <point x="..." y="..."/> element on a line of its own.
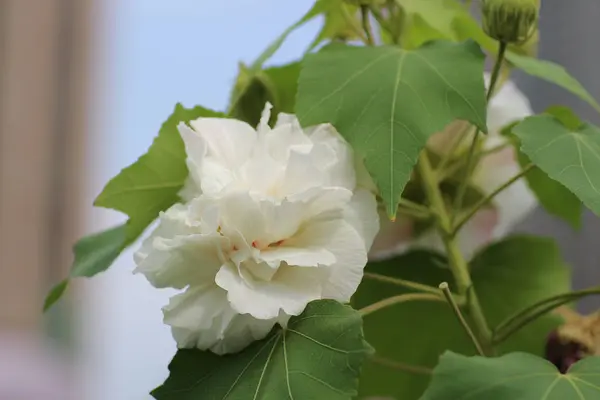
<point x="361" y="213"/>
<point x="229" y="141"/>
<point x="290" y="290"/>
<point x="202" y="318"/>
<point x="176" y="254"/>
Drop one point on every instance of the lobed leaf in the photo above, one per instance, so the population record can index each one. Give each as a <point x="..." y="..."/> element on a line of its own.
<point x="515" y="376"/>
<point x="387" y="101"/>
<point x="318" y="356"/>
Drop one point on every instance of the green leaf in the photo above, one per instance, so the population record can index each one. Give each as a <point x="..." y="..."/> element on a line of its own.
<point x="338" y="23"/>
<point x="508" y="276"/>
<point x="428" y="20"/>
<point x="553" y="73"/>
<point x="515" y="376"/>
<point x="55" y="294"/>
<point x="387" y="101"/>
<point x="552" y="195"/>
<point x="276" y="85"/>
<point x="93" y="254"/>
<point x="151" y="184"/>
<point x="318" y="8"/>
<point x="571" y="157"/>
<point x="318" y="356"/>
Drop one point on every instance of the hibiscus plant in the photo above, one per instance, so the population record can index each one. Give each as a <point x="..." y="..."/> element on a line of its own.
<point x="342" y="230"/>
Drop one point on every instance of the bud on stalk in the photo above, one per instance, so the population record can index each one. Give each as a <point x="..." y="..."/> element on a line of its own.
<point x="510" y="21"/>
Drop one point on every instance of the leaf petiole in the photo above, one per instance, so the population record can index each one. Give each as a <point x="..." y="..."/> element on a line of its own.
<point x="489" y="198"/>
<point x="410" y="285"/>
<point x="448" y="295"/>
<point x="394" y="300"/>
<point x="530" y="314"/>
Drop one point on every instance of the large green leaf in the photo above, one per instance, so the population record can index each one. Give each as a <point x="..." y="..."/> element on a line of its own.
<point x="318" y="356"/>
<point x="93" y="254"/>
<point x="553" y="73"/>
<point x="515" y="376"/>
<point x="569" y="156"/>
<point x="151" y="184"/>
<point x="387" y="101"/>
<point x="276" y="85"/>
<point x="508" y="276"/>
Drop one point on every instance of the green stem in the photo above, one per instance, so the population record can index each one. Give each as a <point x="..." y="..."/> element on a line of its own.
<point x="409" y="285"/>
<point x="522" y="318"/>
<point x="483" y="202"/>
<point x="458" y="264"/>
<point x="448" y="295"/>
<point x="354" y="25"/>
<point x="394" y="300"/>
<point x="366" y="24"/>
<point x="414" y="206"/>
<point x="462" y="189"/>
<point x="412" y="369"/>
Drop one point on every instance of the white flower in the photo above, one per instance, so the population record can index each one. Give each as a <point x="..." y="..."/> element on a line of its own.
<point x="510" y="206"/>
<point x="273" y="219"/>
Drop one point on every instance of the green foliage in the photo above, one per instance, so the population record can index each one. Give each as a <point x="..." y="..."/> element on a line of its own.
<point x="276" y="85"/>
<point x="340" y="23"/>
<point x="151" y="184"/>
<point x="515" y="376"/>
<point x="318" y="356"/>
<point x="93" y="254"/>
<point x="569" y="156"/>
<point x="387" y="101"/>
<point x="430" y="20"/>
<point x="552" y="195"/>
<point x="508" y="276"/>
<point x="553" y="73"/>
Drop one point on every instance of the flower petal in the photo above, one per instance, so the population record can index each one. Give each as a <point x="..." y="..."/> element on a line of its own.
<point x="361" y="213"/>
<point x="229" y="141"/>
<point x="174" y="255"/>
<point x="289" y="291"/>
<point x="201" y="317"/>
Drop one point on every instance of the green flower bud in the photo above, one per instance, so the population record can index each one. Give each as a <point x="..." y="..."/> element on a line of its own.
<point x="510" y="21"/>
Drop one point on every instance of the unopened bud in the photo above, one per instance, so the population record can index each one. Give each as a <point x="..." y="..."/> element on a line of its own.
<point x="510" y="21"/>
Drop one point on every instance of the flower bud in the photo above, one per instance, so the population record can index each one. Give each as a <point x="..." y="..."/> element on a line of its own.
<point x="510" y="21"/>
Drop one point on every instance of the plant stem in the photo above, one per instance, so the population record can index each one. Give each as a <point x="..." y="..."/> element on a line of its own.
<point x="409" y="285"/>
<point x="366" y="24"/>
<point x="414" y="206"/>
<point x="457" y="262"/>
<point x="462" y="189"/>
<point x="481" y="203"/>
<point x="402" y="298"/>
<point x="529" y="314"/>
<point x="353" y="23"/>
<point x="448" y="295"/>
<point x="413" y="369"/>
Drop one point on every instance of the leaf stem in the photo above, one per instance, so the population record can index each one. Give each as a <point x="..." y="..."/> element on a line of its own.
<point x="448" y="295"/>
<point x="409" y="285"/>
<point x="366" y="24"/>
<point x="412" y="369"/>
<point x="353" y="23"/>
<point x="481" y="203"/>
<point x="462" y="189"/>
<point x="401" y="298"/>
<point x="458" y="264"/>
<point x="524" y="317"/>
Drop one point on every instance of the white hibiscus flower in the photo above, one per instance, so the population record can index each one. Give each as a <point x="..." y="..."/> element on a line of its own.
<point x="273" y="219"/>
<point x="510" y="206"/>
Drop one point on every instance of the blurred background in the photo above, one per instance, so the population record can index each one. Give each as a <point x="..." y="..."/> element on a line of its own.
<point x="84" y="87"/>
